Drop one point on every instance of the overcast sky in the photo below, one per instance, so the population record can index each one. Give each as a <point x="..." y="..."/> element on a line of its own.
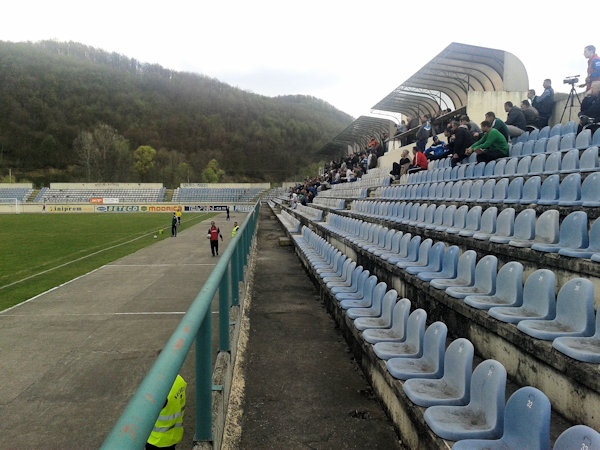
<point x="349" y="53"/>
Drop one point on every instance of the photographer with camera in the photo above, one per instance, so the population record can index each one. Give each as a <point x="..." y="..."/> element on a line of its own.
<point x="589" y="116"/>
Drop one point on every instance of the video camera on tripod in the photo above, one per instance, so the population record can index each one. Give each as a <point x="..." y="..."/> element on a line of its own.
<point x="571" y="80"/>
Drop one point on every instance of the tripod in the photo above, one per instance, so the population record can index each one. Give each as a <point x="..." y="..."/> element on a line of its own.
<point x="572" y="94"/>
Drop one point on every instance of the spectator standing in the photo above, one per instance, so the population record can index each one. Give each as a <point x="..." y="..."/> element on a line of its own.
<point x="214" y="233"/>
<point x="593" y="71"/>
<point x="531" y="96"/>
<point x="515" y="120"/>
<point x="174" y="225"/>
<point x="227" y="211"/>
<point x="419" y="161"/>
<point x="461" y="140"/>
<point x="424" y="132"/>
<point x="492" y="144"/>
<point x="497" y="124"/>
<point x="531" y="114"/>
<point x="178" y="214"/>
<point x="544" y="103"/>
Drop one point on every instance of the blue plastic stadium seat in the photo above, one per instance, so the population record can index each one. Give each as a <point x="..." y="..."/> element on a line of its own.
<point x="515" y="149"/>
<point x="538" y="300"/>
<point x="448" y="218"/>
<point x="544" y="133"/>
<point x="573" y="234"/>
<point x="570" y="162"/>
<point x="590" y="190"/>
<point x="524" y="224"/>
<point x="549" y="190"/>
<point x="526" y="424"/>
<point x="448" y="266"/>
<point x="509" y="289"/>
<point x="465" y="273"/>
<point x="537" y="165"/>
<point x="489" y="169"/>
<point x="574" y="313"/>
<point x="412" y="346"/>
<point x="460" y="173"/>
<point x="431" y="362"/>
<point x="364" y="283"/>
<point x="583" y="139"/>
<point x="433" y="261"/>
<point x="504" y="226"/>
<point x="465" y="191"/>
<point x="553" y="162"/>
<point x="511" y="167"/>
<point x="588" y="161"/>
<point x="553" y="144"/>
<point x="382" y="321"/>
<point x="397" y="331"/>
<point x="484" y="282"/>
<point x="455" y="191"/>
<point x="402" y="249"/>
<point x="373" y="297"/>
<point x="531" y="190"/>
<point x="593" y="245"/>
<point x="586" y="349"/>
<point x="478" y="170"/>
<point x="483" y="416"/>
<point x="500" y="191"/>
<point x="342" y="280"/>
<point x="499" y="168"/>
<point x="578" y="437"/>
<point x="414" y="252"/>
<point x="546" y="231"/>
<point x="527" y="148"/>
<point x="569" y="128"/>
<point x="523" y="165"/>
<point x="514" y="191"/>
<point x="438" y="218"/>
<point x="454" y="387"/>
<point x="472" y="222"/>
<point x="487" y="225"/>
<point x="596" y="137"/>
<point x="475" y="191"/>
<point x="567" y="142"/>
<point x="533" y="135"/>
<point x="540" y="145"/>
<point x="487" y="191"/>
<point x="454" y="172"/>
<point x="555" y="130"/>
<point x="459" y="220"/>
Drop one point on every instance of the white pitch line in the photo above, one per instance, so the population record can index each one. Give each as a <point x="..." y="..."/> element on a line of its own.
<point x="149" y="313"/>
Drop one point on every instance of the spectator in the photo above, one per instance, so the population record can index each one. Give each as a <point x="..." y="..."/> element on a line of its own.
<point x="531" y="114"/>
<point x="461" y="140"/>
<point x="590" y="108"/>
<point x="401" y="128"/>
<point x="419" y="161"/>
<point x="371" y="160"/>
<point x="401" y="167"/>
<point x="544" y="103"/>
<point x="515" y="121"/>
<point x="437" y="150"/>
<point x="531" y="96"/>
<point x="593" y="71"/>
<point x="471" y="126"/>
<point x="492" y="144"/>
<point x="497" y="124"/>
<point x="424" y="132"/>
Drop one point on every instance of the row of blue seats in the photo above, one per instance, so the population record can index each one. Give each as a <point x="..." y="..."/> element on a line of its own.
<point x="556" y="143"/>
<point x="534" y="135"/>
<point x="544" y="164"/>
<point x="571" y="238"/>
<point x="571" y="191"/>
<point x="501" y="292"/>
<point x="462" y="404"/>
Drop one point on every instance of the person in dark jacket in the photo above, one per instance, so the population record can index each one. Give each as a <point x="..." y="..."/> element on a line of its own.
<point x="590" y="108"/>
<point x="461" y="140"/>
<point x="531" y="114"/>
<point x="544" y="103"/>
<point x="515" y="121"/>
<point x="497" y="124"/>
<point x="424" y="132"/>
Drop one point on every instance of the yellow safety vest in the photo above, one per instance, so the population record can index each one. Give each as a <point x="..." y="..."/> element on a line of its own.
<point x="235" y="230"/>
<point x="168" y="429"/>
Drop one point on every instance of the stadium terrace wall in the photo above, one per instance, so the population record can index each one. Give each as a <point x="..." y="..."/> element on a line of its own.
<point x="106" y="186"/>
<point x="74" y="208"/>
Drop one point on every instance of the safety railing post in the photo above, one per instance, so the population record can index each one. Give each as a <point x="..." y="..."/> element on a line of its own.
<point x="224" y="312"/>
<point x="235" y="278"/>
<point x="203" y="431"/>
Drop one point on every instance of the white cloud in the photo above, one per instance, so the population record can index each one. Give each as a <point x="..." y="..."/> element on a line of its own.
<point x="349" y="53"/>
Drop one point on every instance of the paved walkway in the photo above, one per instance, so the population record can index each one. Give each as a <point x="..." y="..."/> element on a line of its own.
<point x="303" y="388"/>
<point x="72" y="358"/>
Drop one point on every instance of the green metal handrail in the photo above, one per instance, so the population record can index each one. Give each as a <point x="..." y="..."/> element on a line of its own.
<point x="135" y="424"/>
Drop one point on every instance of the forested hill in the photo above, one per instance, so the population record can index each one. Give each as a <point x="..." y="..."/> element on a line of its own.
<point x="69" y="112"/>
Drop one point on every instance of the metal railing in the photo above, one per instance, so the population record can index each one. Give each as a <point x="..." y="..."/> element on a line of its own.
<point x="135" y="424"/>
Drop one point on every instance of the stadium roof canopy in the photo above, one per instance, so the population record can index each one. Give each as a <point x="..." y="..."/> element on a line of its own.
<point x="445" y="80"/>
<point x="358" y="132"/>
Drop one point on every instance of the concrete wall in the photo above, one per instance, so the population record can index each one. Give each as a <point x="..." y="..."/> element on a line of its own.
<point x="106" y="185"/>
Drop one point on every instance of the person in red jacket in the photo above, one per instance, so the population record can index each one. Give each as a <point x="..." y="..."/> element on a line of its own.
<point x="419" y="161"/>
<point x="213" y="234"/>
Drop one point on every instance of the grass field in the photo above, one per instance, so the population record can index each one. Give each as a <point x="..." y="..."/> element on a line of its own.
<point x="41" y="251"/>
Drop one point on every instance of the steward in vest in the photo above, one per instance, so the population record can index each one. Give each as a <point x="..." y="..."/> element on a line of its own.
<point x="236" y="227"/>
<point x="168" y="429"/>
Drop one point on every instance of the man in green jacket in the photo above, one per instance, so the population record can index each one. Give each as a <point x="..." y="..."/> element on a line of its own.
<point x="492" y="144"/>
<point x="497" y="124"/>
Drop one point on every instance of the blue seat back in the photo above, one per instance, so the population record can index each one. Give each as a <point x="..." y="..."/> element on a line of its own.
<point x="549" y="189"/>
<point x="458" y="367"/>
<point x="578" y="437"/>
<point x="511" y="166"/>
<point x="509" y="283"/>
<point x="515" y="149"/>
<point x="505" y="222"/>
<point x="479" y="170"/>
<point x="544" y="133"/>
<point x="455" y="193"/>
<point x="473" y="218"/>
<point x="500" y="190"/>
<point x="570" y="161"/>
<point x="485" y="274"/>
<point x="476" y="190"/>
<point x="488" y="220"/>
<point x="575" y="306"/>
<point x="500" y="166"/>
<point x="523" y="165"/>
<point x="533" y="135"/>
<point x="449" y="216"/>
<point x="525" y="224"/>
<point x="555" y="130"/>
<point x="553" y="144"/>
<point x="527" y="148"/>
<point x="531" y="190"/>
<point x="569" y="190"/>
<point x="567" y="141"/>
<point x="404" y="242"/>
<point x="540" y="145"/>
<point x="515" y="190"/>
<point x="596" y="137"/>
<point x="470" y="169"/>
<point x="466" y="266"/>
<point x="487" y="190"/>
<point x="438" y="217"/>
<point x="589" y="160"/>
<point x="489" y="169"/>
<point x="537" y="164"/>
<point x="527" y="420"/>
<point x="460" y="216"/>
<point x="547" y="228"/>
<point x="400" y="316"/>
<point x="450" y="261"/>
<point x="584" y="139"/>
<point x="553" y="162"/>
<point x="460" y="174"/>
<point x="465" y="190"/>
<point x="590" y="190"/>
<point x="538" y="293"/>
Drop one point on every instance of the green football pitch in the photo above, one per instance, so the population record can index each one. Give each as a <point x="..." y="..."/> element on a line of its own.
<point x="41" y="251"/>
